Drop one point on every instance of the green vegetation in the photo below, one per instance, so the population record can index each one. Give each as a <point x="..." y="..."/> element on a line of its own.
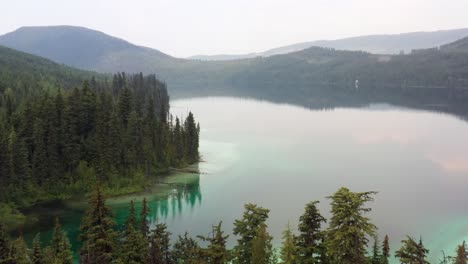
<point x="103" y="243"/>
<point x="60" y="135"/>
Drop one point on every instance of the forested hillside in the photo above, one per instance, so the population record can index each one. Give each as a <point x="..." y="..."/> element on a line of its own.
<point x="61" y="133"/>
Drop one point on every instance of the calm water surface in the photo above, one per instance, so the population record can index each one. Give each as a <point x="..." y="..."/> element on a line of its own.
<point x="282" y="157"/>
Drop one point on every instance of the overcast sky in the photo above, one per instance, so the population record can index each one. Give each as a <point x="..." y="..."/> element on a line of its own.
<point x="190" y="27"/>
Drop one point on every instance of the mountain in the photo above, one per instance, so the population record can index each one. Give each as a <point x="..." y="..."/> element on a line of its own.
<point x="29" y="74"/>
<point x="377" y="44"/>
<point x="84" y="48"/>
<point x="457" y="46"/>
<point x="93" y="50"/>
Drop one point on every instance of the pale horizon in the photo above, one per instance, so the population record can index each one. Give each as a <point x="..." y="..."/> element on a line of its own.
<point x="209" y="27"/>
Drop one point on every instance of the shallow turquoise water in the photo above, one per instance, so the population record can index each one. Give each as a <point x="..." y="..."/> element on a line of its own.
<point x="283" y="156"/>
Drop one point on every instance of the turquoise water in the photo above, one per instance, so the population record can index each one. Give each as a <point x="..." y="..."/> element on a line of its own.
<point x="283" y="156"/>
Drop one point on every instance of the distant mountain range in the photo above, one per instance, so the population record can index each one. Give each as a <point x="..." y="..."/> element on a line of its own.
<point x="277" y="74"/>
<point x="376" y="44"/>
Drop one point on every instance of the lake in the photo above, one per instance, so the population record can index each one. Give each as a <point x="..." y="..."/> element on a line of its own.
<point x="283" y="156"/>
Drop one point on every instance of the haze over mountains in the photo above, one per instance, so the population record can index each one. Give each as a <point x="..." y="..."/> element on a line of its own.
<point x="376" y="44"/>
<point x="291" y="73"/>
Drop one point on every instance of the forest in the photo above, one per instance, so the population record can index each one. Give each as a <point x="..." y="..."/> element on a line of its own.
<point x="59" y="137"/>
<point x="348" y="237"/>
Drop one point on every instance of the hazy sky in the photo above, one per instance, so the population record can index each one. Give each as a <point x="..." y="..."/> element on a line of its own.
<point x="189" y="27"/>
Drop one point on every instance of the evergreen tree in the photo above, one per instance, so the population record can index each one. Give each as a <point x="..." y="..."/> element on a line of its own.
<point x="186" y="250"/>
<point x="60" y="247"/>
<point x="262" y="249"/>
<point x="37" y="255"/>
<point x="412" y="252"/>
<point x="310" y="242"/>
<point x="289" y="250"/>
<point x="461" y="254"/>
<point x="19" y="252"/>
<point x="144" y="219"/>
<point x="97" y="232"/>
<point x="246" y="228"/>
<point x="349" y="227"/>
<point x="135" y="247"/>
<point x="160" y="252"/>
<point x="376" y="256"/>
<point x="216" y="252"/>
<point x="385" y="250"/>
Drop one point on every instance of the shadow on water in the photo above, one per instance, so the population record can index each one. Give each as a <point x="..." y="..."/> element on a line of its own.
<point x="167" y="198"/>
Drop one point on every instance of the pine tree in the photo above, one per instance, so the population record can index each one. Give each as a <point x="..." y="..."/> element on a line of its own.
<point x="262" y="248"/>
<point x="376" y="256"/>
<point x="135" y="247"/>
<point x="310" y="241"/>
<point x="246" y="228"/>
<point x="461" y="254"/>
<point x="289" y="249"/>
<point x="19" y="252"/>
<point x="97" y="232"/>
<point x="216" y="252"/>
<point x="385" y="250"/>
<point x="60" y="247"/>
<point x="412" y="252"/>
<point x="37" y="255"/>
<point x="144" y="219"/>
<point x="131" y="220"/>
<point x="160" y="252"/>
<point x="349" y="227"/>
<point x="186" y="250"/>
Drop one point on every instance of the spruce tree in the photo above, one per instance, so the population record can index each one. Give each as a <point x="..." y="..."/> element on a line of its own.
<point x="347" y="234"/>
<point x="37" y="255"/>
<point x="97" y="232"/>
<point x="60" y="247"/>
<point x="145" y="211"/>
<point x="412" y="252"/>
<point x="385" y="250"/>
<point x="310" y="242"/>
<point x="134" y="246"/>
<point x="289" y="250"/>
<point x="160" y="247"/>
<point x="376" y="256"/>
<point x="246" y="229"/>
<point x="19" y="252"/>
<point x="216" y="252"/>
<point x="186" y="250"/>
<point x="262" y="249"/>
<point x="461" y="254"/>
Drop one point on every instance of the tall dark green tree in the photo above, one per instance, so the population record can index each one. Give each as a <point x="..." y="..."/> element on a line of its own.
<point x="37" y="254"/>
<point x="145" y="211"/>
<point x="376" y="256"/>
<point x="186" y="250"/>
<point x="97" y="232"/>
<point x="216" y="252"/>
<point x="310" y="242"/>
<point x="134" y="248"/>
<point x="160" y="246"/>
<point x="347" y="234"/>
<point x="289" y="250"/>
<point x="60" y="248"/>
<point x="385" y="250"/>
<point x="246" y="229"/>
<point x="262" y="249"/>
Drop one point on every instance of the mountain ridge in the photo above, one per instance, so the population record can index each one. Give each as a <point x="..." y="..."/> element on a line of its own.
<point x="381" y="44"/>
